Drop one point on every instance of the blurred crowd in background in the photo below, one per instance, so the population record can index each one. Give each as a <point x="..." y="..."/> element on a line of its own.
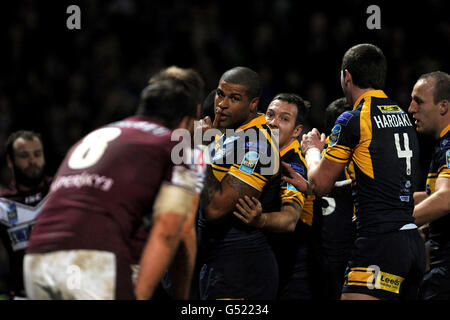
<point x="63" y="83"/>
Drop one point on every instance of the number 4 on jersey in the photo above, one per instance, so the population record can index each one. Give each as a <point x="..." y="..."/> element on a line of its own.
<point x="404" y="153"/>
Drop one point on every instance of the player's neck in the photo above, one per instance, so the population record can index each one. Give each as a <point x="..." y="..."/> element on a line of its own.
<point x="357" y="92"/>
<point x="250" y="118"/>
<point x="286" y="144"/>
<point x="443" y="128"/>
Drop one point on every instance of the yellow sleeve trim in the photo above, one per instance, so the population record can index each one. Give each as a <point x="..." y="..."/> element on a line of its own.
<point x="336" y="158"/>
<point x="444" y="171"/>
<point x="296" y="199"/>
<point x="250" y="179"/>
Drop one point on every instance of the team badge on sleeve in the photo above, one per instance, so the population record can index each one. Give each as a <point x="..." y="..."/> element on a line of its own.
<point x="335" y="133"/>
<point x="249" y="162"/>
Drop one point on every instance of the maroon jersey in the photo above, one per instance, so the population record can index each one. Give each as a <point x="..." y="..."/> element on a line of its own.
<point x="103" y="188"/>
<point x="18" y="211"/>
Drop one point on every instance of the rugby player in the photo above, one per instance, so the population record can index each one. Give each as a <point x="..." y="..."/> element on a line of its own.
<point x="21" y="202"/>
<point x="82" y="245"/>
<point x="431" y="110"/>
<point x="236" y="261"/>
<point x="291" y="240"/>
<point x="337" y="230"/>
<point x="388" y="260"/>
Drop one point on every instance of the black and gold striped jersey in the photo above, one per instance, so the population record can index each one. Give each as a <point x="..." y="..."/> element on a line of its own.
<point x="250" y="154"/>
<point x="378" y="137"/>
<point x="292" y="155"/>
<point x="439" y="229"/>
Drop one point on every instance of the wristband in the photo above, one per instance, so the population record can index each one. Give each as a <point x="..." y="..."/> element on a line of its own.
<point x="312" y="155"/>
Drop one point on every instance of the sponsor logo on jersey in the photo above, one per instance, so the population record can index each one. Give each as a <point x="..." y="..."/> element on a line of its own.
<point x="388" y="282"/>
<point x="249" y="162"/>
<point x="390" y="109"/>
<point x="405" y="191"/>
<point x="344" y="118"/>
<point x="335" y="133"/>
<point x="297" y="168"/>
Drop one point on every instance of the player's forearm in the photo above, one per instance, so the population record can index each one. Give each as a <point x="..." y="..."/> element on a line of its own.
<point x="157" y="255"/>
<point x="432" y="208"/>
<point x="182" y="267"/>
<point x="317" y="184"/>
<point x="183" y="264"/>
<point x="222" y="201"/>
<point x="282" y="221"/>
<point x="219" y="207"/>
<point x="419" y="197"/>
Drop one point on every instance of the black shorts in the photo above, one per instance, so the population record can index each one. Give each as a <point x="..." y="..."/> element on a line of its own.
<point x="387" y="266"/>
<point x="239" y="274"/>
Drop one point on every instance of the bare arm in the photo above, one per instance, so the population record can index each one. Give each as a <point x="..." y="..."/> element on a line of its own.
<point x="220" y="198"/>
<point x="285" y="220"/>
<point x="183" y="264"/>
<point x="436" y="205"/>
<point x="419" y="197"/>
<point x="158" y="252"/>
<point x="322" y="176"/>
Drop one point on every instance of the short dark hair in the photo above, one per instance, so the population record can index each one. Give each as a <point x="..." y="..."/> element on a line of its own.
<point x="167" y="100"/>
<point x="246" y="77"/>
<point x="367" y="65"/>
<point x="441" y="90"/>
<point x="208" y="105"/>
<point x="333" y="111"/>
<point x="190" y="77"/>
<point x="25" y="134"/>
<point x="302" y="105"/>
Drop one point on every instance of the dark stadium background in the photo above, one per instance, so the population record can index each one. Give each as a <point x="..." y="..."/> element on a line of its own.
<point x="64" y="83"/>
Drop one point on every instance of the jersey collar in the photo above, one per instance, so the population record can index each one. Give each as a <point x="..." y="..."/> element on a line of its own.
<point x="259" y="120"/>
<point x="444" y="132"/>
<point x="293" y="145"/>
<point x="370" y="93"/>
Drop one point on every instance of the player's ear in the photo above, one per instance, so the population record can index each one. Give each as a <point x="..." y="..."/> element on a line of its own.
<point x="298" y="130"/>
<point x="254" y="104"/>
<point x="443" y="107"/>
<point x="347" y="76"/>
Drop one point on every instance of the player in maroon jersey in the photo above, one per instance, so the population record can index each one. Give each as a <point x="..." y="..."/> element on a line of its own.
<point x="83" y="242"/>
<point x="21" y="202"/>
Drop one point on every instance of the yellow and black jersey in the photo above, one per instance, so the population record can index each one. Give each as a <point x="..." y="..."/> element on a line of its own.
<point x="251" y="155"/>
<point x="292" y="155"/>
<point x="440" y="228"/>
<point x="337" y="231"/>
<point x="378" y="137"/>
